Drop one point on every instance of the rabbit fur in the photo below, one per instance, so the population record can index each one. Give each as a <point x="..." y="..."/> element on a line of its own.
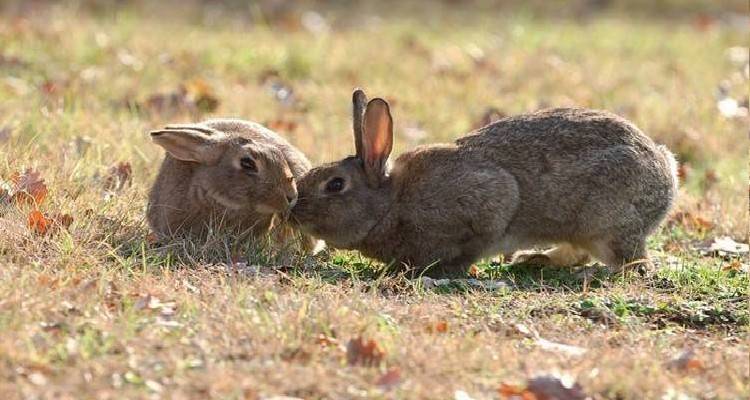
<point x="586" y="181"/>
<point x="222" y="173"/>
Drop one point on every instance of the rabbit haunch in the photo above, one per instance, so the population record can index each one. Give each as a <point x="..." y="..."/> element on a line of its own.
<point x="586" y="181"/>
<point x="222" y="173"/>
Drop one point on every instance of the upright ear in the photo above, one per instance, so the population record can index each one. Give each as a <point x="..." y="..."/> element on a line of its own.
<point x="359" y="101"/>
<point x="189" y="143"/>
<point x="377" y="140"/>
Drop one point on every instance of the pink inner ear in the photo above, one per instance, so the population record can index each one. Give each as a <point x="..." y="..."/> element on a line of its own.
<point x="378" y="132"/>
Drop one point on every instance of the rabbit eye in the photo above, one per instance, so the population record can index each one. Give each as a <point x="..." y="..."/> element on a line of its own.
<point x="248" y="164"/>
<point x="335" y="185"/>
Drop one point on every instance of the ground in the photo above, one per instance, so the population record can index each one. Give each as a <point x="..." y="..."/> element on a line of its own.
<point x="91" y="306"/>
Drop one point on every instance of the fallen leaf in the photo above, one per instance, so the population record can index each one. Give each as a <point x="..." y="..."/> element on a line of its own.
<point x="62" y="220"/>
<point x="391" y="378"/>
<point x="193" y="96"/>
<point x="724" y="247"/>
<point x="152" y="238"/>
<point x="690" y="221"/>
<point x="686" y="361"/>
<point x="514" y="392"/>
<point x="38" y="223"/>
<point x="200" y="93"/>
<point x="543" y="388"/>
<point x="29" y="187"/>
<point x="439" y="327"/>
<point x="736" y="266"/>
<point x="361" y="352"/>
<point x="553" y="388"/>
<point x="683" y="171"/>
<point x="119" y="176"/>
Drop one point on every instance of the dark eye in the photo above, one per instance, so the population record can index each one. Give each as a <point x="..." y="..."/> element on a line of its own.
<point x="248" y="164"/>
<point x="335" y="185"/>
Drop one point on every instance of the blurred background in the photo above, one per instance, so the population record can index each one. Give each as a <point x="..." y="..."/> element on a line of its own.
<point x="82" y="81"/>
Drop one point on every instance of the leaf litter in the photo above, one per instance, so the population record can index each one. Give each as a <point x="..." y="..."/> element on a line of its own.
<point x="364" y="352"/>
<point x="544" y="387"/>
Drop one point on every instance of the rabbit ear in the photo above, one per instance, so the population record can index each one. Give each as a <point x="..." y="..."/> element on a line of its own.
<point x="188" y="143"/>
<point x="377" y="139"/>
<point x="359" y="101"/>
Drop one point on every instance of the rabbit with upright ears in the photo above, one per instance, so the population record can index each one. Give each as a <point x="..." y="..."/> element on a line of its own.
<point x="222" y="173"/>
<point x="587" y="182"/>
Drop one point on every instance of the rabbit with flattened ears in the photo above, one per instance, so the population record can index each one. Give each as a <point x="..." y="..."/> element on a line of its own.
<point x="223" y="173"/>
<point x="587" y="182"/>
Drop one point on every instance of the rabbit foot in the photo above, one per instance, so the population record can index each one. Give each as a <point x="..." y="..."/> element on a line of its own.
<point x="564" y="255"/>
<point x="531" y="258"/>
<point x="627" y="253"/>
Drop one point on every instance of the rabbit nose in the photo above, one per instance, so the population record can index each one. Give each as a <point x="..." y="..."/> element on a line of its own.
<point x="291" y="199"/>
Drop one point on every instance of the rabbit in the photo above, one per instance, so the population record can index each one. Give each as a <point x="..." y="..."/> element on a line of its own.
<point x="586" y="181"/>
<point x="231" y="172"/>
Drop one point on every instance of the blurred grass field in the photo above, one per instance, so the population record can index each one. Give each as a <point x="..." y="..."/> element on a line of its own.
<point x="97" y="310"/>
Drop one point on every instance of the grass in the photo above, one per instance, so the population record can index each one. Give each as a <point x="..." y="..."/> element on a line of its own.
<point x="97" y="310"/>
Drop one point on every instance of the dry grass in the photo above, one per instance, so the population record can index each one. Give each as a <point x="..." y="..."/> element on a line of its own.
<point x="97" y="311"/>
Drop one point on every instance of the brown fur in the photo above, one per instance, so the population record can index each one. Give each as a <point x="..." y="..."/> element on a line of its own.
<point x="202" y="185"/>
<point x="587" y="180"/>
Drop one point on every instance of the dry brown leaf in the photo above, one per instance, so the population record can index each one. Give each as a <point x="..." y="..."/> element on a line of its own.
<point x="543" y="388"/>
<point x="687" y="361"/>
<point x="438" y="327"/>
<point x="683" y="171"/>
<point x="391" y="378"/>
<point x="201" y="94"/>
<point x="514" y="392"/>
<point x="193" y="96"/>
<point x="152" y="238"/>
<point x="367" y="353"/>
<point x="119" y="176"/>
<point x="41" y="224"/>
<point x="28" y="187"/>
<point x="38" y="223"/>
<point x="690" y="221"/>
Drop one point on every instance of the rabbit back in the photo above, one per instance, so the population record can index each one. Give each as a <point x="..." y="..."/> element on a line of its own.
<point x="580" y="173"/>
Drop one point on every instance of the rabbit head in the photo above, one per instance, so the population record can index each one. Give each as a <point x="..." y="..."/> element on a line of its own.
<point x="341" y="202"/>
<point x="236" y="172"/>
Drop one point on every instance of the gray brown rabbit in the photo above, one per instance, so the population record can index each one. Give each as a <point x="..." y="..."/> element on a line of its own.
<point x="225" y="172"/>
<point x="586" y="181"/>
